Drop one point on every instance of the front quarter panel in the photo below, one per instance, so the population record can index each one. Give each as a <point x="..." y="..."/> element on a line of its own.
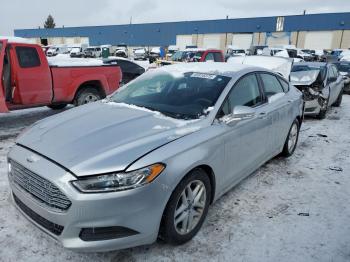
<point x="204" y="147"/>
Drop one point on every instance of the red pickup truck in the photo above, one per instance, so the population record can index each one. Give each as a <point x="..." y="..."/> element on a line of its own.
<point x="28" y="80"/>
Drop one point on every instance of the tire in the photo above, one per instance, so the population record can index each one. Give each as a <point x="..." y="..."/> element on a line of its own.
<point x="337" y="103"/>
<point x="87" y="95"/>
<point x="170" y="231"/>
<point x="57" y="106"/>
<point x="323" y="111"/>
<point x="292" y="139"/>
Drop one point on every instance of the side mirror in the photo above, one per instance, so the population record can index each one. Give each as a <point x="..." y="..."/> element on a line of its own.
<point x="239" y="113"/>
<point x="275" y="97"/>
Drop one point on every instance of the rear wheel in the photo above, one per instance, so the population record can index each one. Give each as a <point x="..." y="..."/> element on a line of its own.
<point x="337" y="103"/>
<point x="187" y="208"/>
<point x="86" y="96"/>
<point x="292" y="139"/>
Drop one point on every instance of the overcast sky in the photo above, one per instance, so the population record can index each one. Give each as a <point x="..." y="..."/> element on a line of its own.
<point x="19" y="14"/>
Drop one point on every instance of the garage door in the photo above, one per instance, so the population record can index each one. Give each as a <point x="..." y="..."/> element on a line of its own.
<point x="277" y="39"/>
<point x="243" y="41"/>
<point x="183" y="40"/>
<point x="211" y="41"/>
<point x="318" y="40"/>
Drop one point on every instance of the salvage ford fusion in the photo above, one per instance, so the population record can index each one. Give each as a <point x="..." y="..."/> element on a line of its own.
<point x="149" y="160"/>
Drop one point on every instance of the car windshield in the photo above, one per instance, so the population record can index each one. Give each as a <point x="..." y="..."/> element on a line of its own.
<point x="300" y="68"/>
<point x="183" y="95"/>
<point x="343" y="67"/>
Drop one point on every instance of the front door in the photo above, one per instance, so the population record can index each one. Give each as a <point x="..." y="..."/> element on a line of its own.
<point x="245" y="143"/>
<point x="31" y="84"/>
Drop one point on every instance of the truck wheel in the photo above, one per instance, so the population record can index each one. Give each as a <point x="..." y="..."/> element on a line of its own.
<point x="57" y="106"/>
<point x="86" y="96"/>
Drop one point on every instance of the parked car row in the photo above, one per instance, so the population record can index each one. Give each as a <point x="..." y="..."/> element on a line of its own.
<point x="148" y="161"/>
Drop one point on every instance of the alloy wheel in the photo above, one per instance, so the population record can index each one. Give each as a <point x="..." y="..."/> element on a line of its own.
<point x="293" y="136"/>
<point x="190" y="207"/>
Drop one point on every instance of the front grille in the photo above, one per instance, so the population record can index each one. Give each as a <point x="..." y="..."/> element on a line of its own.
<point x="52" y="227"/>
<point x="40" y="188"/>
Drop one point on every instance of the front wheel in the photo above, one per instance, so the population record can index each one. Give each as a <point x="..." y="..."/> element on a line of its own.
<point x="324" y="107"/>
<point x="187" y="208"/>
<point x="292" y="139"/>
<point x="86" y="96"/>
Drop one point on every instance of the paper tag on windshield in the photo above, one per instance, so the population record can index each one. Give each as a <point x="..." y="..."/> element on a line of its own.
<point x="206" y="76"/>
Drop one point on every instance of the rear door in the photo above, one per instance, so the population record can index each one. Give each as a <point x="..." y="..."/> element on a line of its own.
<point x="279" y="108"/>
<point x="32" y="77"/>
<point x="3" y="107"/>
<point x="338" y="85"/>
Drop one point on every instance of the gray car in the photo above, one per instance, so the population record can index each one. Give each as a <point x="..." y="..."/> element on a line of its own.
<point x="321" y="84"/>
<point x="149" y="160"/>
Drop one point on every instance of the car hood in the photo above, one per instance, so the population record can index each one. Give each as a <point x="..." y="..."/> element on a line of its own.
<point x="103" y="137"/>
<point x="304" y="77"/>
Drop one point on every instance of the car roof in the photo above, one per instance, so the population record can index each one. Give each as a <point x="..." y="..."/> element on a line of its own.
<point x="220" y="68"/>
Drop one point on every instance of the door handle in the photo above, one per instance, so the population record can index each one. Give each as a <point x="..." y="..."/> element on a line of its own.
<point x="262" y="115"/>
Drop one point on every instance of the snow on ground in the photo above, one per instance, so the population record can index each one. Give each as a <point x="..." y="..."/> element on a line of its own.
<point x="294" y="209"/>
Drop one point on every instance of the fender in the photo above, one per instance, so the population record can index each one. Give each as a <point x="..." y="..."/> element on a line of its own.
<point x="65" y="91"/>
<point x="88" y="78"/>
<point x="3" y="106"/>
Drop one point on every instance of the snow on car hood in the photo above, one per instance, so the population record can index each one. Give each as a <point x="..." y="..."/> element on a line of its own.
<point x="304" y="78"/>
<point x="279" y="65"/>
<point x="103" y="137"/>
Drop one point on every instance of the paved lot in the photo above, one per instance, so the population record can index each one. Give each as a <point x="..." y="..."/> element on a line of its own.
<point x="294" y="209"/>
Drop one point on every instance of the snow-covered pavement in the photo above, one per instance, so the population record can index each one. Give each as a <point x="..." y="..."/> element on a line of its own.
<point x="295" y="209"/>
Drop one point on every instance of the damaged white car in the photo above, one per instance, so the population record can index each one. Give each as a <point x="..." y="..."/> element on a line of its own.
<point x="321" y="84"/>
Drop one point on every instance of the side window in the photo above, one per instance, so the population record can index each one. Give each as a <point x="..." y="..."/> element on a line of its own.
<point x="217" y="57"/>
<point x="245" y="93"/>
<point x="271" y="85"/>
<point x="209" y="57"/>
<point x="27" y="57"/>
<point x="284" y="84"/>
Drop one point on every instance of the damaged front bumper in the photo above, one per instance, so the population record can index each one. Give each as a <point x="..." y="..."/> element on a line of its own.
<point x="314" y="100"/>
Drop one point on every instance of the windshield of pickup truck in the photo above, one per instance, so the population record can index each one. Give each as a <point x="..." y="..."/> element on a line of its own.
<point x="182" y="96"/>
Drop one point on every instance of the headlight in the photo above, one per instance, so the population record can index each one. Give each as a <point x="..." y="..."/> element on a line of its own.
<point x="119" y="181"/>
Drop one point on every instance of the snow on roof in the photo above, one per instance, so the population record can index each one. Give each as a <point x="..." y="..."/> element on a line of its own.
<point x="206" y="67"/>
<point x="279" y="65"/>
<point x="14" y="39"/>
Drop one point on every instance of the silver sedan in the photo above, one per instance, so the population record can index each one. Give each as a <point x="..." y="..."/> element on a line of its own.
<point x="149" y="160"/>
